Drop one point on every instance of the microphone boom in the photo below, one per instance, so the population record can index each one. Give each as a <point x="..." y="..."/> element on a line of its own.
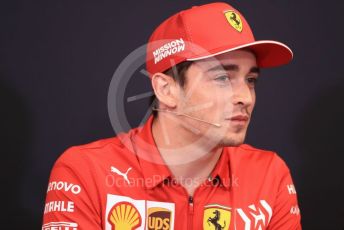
<point x="183" y="114"/>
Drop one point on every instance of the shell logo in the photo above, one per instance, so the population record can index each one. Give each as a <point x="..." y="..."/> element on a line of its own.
<point x="124" y="216"/>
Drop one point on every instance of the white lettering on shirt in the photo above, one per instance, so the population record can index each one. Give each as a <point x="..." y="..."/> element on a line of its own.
<point x="65" y="186"/>
<point x="59" y="206"/>
<point x="291" y="189"/>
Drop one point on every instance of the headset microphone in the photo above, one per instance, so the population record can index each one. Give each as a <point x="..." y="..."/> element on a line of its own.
<point x="183" y="114"/>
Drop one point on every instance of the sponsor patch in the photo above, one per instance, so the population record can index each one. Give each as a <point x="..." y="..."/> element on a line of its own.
<point x="291" y="189"/>
<point x="124" y="175"/>
<point x="216" y="216"/>
<point x="59" y="206"/>
<point x="64" y="186"/>
<point x="168" y="49"/>
<point x="137" y="208"/>
<point x="60" y="226"/>
<point x="160" y="215"/>
<point x="256" y="216"/>
<point x="294" y="210"/>
<point x="125" y="213"/>
<point x="234" y="20"/>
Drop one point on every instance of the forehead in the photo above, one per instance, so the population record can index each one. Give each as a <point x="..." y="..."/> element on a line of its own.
<point x="243" y="58"/>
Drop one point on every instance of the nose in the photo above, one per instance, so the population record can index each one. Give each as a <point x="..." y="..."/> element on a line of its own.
<point x="242" y="94"/>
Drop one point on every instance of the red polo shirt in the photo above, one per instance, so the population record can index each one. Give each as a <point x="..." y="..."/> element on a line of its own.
<point x="122" y="183"/>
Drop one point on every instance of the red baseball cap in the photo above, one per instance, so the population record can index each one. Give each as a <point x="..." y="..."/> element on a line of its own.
<point x="206" y="31"/>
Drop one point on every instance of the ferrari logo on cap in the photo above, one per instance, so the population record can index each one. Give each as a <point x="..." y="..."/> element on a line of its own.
<point x="234" y="20"/>
<point x="216" y="217"/>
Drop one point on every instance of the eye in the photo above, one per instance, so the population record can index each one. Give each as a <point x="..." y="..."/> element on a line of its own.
<point x="222" y="78"/>
<point x="252" y="81"/>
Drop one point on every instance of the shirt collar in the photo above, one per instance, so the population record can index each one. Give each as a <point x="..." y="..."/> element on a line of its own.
<point x="155" y="170"/>
<point x="221" y="172"/>
<point x="153" y="167"/>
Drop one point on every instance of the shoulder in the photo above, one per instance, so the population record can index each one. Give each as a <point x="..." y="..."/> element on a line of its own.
<point x="98" y="152"/>
<point x="251" y="150"/>
<point x="257" y="157"/>
<point x="90" y="165"/>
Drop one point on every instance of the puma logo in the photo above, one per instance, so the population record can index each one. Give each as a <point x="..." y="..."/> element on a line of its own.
<point x="124" y="175"/>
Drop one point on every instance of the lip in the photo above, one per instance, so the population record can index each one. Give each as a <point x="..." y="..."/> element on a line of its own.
<point x="239" y="120"/>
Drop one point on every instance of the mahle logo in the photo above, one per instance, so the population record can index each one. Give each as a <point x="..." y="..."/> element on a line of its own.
<point x="234" y="20"/>
<point x="159" y="219"/>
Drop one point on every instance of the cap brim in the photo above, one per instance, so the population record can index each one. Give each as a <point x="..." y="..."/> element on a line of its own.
<point x="268" y="53"/>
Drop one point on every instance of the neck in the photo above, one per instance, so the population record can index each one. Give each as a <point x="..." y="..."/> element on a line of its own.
<point x="187" y="158"/>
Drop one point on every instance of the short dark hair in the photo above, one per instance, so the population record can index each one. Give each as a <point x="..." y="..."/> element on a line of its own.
<point x="177" y="72"/>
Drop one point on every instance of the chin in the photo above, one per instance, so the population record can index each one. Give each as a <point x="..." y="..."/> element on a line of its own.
<point x="230" y="139"/>
<point x="234" y="144"/>
<point x="233" y="140"/>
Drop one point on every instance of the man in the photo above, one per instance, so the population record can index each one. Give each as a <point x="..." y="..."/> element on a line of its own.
<point x="187" y="167"/>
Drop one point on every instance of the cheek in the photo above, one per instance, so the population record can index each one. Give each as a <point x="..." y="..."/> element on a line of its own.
<point x="197" y="94"/>
<point x="214" y="97"/>
<point x="201" y="101"/>
<point x="253" y="96"/>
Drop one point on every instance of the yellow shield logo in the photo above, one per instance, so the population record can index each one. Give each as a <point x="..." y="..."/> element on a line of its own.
<point x="124" y="216"/>
<point x="234" y="20"/>
<point x="216" y="217"/>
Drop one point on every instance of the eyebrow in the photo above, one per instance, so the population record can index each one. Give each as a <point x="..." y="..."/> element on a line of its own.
<point x="232" y="67"/>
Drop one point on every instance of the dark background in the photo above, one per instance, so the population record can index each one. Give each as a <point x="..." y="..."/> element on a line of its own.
<point x="57" y="59"/>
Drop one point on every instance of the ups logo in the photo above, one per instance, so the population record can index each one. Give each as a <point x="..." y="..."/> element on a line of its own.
<point x="159" y="219"/>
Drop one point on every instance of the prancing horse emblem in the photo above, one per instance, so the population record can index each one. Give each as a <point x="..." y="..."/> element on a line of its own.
<point x="214" y="220"/>
<point x="234" y="20"/>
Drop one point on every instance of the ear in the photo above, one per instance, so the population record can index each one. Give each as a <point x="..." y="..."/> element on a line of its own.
<point x="165" y="89"/>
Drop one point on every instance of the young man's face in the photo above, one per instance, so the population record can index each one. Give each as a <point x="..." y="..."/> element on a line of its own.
<point x="217" y="91"/>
